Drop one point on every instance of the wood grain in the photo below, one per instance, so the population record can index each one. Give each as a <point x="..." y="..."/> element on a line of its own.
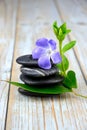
<point x="35" y="113"/>
<point x="7" y="37"/>
<point x="27" y="21"/>
<point x="74" y="12"/>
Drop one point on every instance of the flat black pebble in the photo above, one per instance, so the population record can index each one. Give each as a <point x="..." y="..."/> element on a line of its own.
<point x="44" y="81"/>
<point x="28" y="93"/>
<point x="27" y="60"/>
<point x="38" y="72"/>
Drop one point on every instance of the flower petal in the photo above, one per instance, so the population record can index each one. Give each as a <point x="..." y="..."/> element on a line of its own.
<point x="42" y="42"/>
<point x="52" y="44"/>
<point x="44" y="62"/>
<point x="37" y="52"/>
<point x="56" y="58"/>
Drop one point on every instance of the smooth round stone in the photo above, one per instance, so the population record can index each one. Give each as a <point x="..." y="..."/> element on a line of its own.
<point x="38" y="72"/>
<point x="44" y="81"/>
<point x="28" y="93"/>
<point x="27" y="60"/>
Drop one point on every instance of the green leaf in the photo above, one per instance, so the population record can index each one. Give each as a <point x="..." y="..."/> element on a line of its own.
<point x="65" y="63"/>
<point x="55" y="31"/>
<point x="60" y="32"/>
<point x="70" y="80"/>
<point x="55" y="28"/>
<point x="60" y="35"/>
<point x="63" y="27"/>
<point x="55" y="23"/>
<point x="68" y="46"/>
<point x="59" y="66"/>
<point x="56" y="89"/>
<point x="68" y="31"/>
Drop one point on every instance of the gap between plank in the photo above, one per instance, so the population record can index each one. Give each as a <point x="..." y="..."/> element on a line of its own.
<point x="16" y="19"/>
<point x="69" y="38"/>
<point x="78" y="63"/>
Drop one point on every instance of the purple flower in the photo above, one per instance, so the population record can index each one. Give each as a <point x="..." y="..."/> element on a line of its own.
<point x="45" y="51"/>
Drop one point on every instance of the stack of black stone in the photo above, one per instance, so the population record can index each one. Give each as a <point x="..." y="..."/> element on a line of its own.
<point x="33" y="75"/>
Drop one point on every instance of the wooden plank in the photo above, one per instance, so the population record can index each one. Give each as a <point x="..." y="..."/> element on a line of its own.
<point x="7" y="34"/>
<point x="27" y="33"/>
<point x="66" y="15"/>
<point x="74" y="13"/>
<point x="61" y="112"/>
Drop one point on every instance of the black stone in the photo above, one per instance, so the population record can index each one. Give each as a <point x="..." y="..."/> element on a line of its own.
<point x="35" y="76"/>
<point x="43" y="81"/>
<point x="27" y="60"/>
<point x="28" y="93"/>
<point x="38" y="72"/>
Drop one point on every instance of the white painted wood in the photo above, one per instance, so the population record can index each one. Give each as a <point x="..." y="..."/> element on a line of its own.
<point x="29" y="109"/>
<point x="80" y="50"/>
<point x="7" y="36"/>
<point x="64" y="112"/>
<point x="74" y="12"/>
<point x="67" y="108"/>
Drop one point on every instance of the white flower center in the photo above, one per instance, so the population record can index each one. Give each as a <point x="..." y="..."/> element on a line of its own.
<point x="49" y="51"/>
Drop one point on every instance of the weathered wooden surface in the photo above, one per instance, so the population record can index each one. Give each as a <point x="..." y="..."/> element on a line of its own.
<point x="21" y="23"/>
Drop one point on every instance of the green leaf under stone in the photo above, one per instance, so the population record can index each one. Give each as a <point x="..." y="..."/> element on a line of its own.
<point x="56" y="89"/>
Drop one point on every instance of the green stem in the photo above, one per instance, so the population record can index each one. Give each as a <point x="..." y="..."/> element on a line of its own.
<point x="62" y="64"/>
<point x="79" y="94"/>
<point x="60" y="47"/>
